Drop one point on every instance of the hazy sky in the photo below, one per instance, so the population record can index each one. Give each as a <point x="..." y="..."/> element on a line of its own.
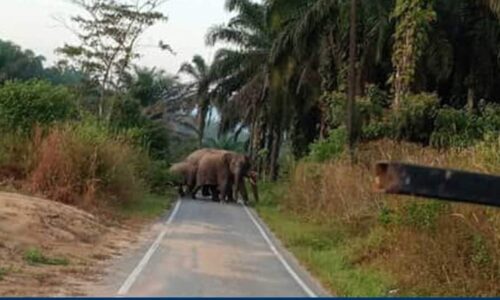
<point x="34" y="24"/>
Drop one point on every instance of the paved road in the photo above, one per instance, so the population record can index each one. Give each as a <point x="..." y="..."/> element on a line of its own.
<point x="210" y="249"/>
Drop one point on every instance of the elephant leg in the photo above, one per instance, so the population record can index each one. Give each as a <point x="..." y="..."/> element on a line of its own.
<point x="230" y="195"/>
<point x="215" y="193"/>
<point x="205" y="191"/>
<point x="194" y="191"/>
<point x="243" y="190"/>
<point x="225" y="194"/>
<point x="181" y="191"/>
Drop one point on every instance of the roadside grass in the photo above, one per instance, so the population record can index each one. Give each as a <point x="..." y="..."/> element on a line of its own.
<point x="4" y="272"/>
<point x="150" y="206"/>
<point x="35" y="256"/>
<point x="358" y="242"/>
<point x="328" y="251"/>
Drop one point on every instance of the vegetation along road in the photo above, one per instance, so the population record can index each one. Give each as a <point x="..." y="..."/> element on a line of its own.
<point x="209" y="249"/>
<point x="126" y="103"/>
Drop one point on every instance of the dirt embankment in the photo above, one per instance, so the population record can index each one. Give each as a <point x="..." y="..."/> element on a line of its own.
<point x="49" y="249"/>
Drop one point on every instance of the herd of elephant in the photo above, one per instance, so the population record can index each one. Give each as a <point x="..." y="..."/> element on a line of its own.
<point x="219" y="173"/>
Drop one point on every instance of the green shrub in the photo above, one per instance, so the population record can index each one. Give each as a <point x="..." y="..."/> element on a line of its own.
<point x="455" y="128"/>
<point x="126" y="113"/>
<point x="159" y="178"/>
<point x="34" y="256"/>
<point x="376" y="131"/>
<point x="330" y="148"/>
<point x="369" y="116"/>
<point x="414" y="121"/>
<point x="423" y="215"/>
<point x="377" y="96"/>
<point x="481" y="254"/>
<point x="386" y="216"/>
<point x="489" y="118"/>
<point x="337" y="108"/>
<point x="25" y="104"/>
<point x="151" y="135"/>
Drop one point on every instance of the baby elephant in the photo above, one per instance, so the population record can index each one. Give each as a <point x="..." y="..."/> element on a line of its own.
<point x="185" y="176"/>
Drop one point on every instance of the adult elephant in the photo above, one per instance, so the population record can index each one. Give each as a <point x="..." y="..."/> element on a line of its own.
<point x="194" y="159"/>
<point x="213" y="173"/>
<point x="241" y="168"/>
<point x="185" y="176"/>
<point x="225" y="172"/>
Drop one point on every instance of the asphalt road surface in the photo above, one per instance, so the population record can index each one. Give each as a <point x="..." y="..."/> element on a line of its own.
<point x="212" y="249"/>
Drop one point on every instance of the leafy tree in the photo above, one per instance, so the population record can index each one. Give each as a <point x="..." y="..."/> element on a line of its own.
<point x="108" y="35"/>
<point x="25" y="104"/>
<point x="16" y="63"/>
<point x="63" y="74"/>
<point x="285" y="62"/>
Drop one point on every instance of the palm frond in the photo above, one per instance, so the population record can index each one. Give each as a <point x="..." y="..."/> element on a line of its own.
<point x="189" y="69"/>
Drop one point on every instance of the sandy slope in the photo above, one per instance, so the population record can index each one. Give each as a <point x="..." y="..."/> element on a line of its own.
<point x="59" y="231"/>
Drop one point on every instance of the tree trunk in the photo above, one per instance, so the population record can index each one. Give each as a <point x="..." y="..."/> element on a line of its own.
<point x="253" y="139"/>
<point x="202" y="118"/>
<point x="470" y="99"/>
<point x="260" y="143"/>
<point x="275" y="153"/>
<point x="352" y="80"/>
<point x="269" y="145"/>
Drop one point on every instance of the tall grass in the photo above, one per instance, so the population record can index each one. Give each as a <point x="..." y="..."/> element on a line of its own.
<point x="429" y="247"/>
<point x="84" y="162"/>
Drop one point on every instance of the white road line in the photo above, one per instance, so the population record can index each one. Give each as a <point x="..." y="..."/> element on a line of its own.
<point x="285" y="264"/>
<point x="144" y="261"/>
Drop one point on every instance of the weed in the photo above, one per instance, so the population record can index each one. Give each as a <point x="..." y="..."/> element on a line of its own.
<point x="35" y="256"/>
<point x="423" y="215"/>
<point x="481" y="255"/>
<point x="4" y="272"/>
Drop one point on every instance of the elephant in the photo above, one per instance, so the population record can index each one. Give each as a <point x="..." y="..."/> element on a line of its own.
<point x="213" y="172"/>
<point x="241" y="168"/>
<point x="222" y="170"/>
<point x="194" y="158"/>
<point x="185" y="174"/>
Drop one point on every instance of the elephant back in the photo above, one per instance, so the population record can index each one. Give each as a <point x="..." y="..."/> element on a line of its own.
<point x="196" y="156"/>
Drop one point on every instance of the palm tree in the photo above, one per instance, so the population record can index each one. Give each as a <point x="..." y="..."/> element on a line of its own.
<point x="165" y="100"/>
<point x="201" y="74"/>
<point x="242" y="70"/>
<point x="287" y="57"/>
<point x="225" y="142"/>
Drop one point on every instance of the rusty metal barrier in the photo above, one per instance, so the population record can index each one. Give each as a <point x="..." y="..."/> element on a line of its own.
<point x="437" y="183"/>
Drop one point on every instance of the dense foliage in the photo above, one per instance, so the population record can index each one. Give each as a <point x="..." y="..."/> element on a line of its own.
<point x="26" y="104"/>
<point x="285" y="69"/>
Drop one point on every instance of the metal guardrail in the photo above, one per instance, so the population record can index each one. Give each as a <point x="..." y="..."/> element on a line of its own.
<point x="437" y="183"/>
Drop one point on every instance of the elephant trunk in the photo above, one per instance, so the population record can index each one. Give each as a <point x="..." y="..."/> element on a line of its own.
<point x="253" y="183"/>
<point x="240" y="186"/>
